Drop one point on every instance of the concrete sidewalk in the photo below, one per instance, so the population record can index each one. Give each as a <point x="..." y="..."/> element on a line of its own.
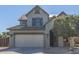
<point x="55" y="50"/>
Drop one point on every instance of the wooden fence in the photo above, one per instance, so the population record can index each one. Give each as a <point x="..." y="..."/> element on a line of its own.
<point x="4" y="42"/>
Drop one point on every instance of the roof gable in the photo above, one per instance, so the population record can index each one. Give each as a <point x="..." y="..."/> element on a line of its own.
<point x="36" y="8"/>
<point x="62" y="14"/>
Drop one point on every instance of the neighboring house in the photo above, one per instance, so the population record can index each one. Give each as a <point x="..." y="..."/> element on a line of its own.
<point x="34" y="30"/>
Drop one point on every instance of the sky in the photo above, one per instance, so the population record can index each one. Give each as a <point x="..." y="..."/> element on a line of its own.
<point x="10" y="14"/>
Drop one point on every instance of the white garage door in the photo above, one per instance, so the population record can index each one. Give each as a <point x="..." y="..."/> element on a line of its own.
<point x="28" y="40"/>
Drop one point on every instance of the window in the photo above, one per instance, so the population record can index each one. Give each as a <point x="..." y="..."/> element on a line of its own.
<point x="23" y="22"/>
<point x="37" y="22"/>
<point x="37" y="11"/>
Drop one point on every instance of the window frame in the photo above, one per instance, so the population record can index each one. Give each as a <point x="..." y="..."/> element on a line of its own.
<point x="38" y="23"/>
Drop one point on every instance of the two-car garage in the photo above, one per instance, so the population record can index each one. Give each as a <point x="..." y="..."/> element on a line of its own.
<point x="29" y="40"/>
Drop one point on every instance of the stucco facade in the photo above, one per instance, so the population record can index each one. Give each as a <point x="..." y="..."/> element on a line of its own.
<point x="41" y="15"/>
<point x="25" y="35"/>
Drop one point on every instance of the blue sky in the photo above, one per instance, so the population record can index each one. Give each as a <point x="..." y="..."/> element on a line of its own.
<point x="9" y="14"/>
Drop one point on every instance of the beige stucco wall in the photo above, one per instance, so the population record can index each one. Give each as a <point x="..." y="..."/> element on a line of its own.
<point x="33" y="15"/>
<point x="72" y="41"/>
<point x="11" y="41"/>
<point x="60" y="42"/>
<point x="49" y="26"/>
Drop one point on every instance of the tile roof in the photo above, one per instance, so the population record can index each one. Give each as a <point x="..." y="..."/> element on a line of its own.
<point x="20" y="27"/>
<point x="23" y="17"/>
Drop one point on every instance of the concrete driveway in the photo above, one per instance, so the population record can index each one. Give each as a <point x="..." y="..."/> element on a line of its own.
<point x="6" y="50"/>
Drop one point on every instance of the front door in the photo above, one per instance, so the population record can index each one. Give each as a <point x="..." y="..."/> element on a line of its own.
<point x="53" y="40"/>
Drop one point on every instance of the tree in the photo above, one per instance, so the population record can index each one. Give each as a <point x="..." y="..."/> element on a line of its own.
<point x="67" y="26"/>
<point x="4" y="35"/>
<point x="0" y="35"/>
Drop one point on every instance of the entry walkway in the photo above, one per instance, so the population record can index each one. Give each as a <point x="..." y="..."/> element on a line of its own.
<point x="57" y="50"/>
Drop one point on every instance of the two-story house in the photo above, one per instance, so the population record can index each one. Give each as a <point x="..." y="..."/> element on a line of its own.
<point x="34" y="30"/>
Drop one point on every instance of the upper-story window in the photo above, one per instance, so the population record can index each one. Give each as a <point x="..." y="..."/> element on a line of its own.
<point x="37" y="22"/>
<point x="37" y="11"/>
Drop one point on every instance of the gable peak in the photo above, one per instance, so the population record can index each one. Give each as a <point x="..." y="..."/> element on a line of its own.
<point x="62" y="13"/>
<point x="36" y="7"/>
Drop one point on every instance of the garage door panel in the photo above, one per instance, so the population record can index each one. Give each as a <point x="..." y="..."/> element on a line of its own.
<point x="29" y="40"/>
